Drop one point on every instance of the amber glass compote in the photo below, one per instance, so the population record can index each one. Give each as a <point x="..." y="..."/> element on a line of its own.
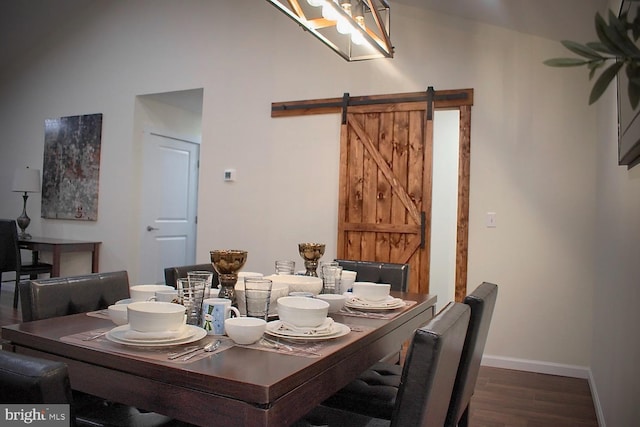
<point x="311" y="253"/>
<point x="227" y="263"/>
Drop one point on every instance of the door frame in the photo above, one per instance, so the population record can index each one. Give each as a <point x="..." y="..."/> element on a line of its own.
<point x="460" y="99"/>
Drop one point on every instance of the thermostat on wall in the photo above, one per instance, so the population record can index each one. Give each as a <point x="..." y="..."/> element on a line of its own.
<point x="229" y="175"/>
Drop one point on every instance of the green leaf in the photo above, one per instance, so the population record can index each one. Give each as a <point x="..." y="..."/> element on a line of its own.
<point x="603" y="81"/>
<point x="617" y="32"/>
<point x="581" y="50"/>
<point x="565" y="62"/>
<point x="600" y="47"/>
<point x="606" y="36"/>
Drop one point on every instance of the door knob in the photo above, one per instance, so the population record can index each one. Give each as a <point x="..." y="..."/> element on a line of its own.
<point x="150" y="228"/>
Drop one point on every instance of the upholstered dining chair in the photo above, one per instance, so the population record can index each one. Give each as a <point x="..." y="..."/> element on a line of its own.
<point x="11" y="260"/>
<point x="427" y="378"/>
<point x="61" y="296"/>
<point x="397" y="275"/>
<point x="32" y="380"/>
<point x="172" y="274"/>
<point x="374" y="393"/>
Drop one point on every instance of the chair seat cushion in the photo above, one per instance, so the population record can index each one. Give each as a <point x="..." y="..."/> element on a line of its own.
<point x="39" y="268"/>
<point x="373" y="393"/>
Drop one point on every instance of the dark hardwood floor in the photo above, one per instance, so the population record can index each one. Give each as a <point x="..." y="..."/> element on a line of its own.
<point x="503" y="397"/>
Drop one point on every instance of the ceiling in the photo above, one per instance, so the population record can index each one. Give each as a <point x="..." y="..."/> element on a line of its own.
<point x="24" y="23"/>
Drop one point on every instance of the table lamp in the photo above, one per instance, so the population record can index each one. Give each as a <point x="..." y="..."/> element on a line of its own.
<point x="25" y="181"/>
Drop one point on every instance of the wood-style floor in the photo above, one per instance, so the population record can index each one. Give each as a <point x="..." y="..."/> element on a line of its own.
<point x="503" y="397"/>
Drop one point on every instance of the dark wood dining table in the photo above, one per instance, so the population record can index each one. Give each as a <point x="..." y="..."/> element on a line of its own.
<point x="237" y="386"/>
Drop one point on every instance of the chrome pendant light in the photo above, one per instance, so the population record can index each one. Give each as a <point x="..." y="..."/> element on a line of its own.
<point x="355" y="29"/>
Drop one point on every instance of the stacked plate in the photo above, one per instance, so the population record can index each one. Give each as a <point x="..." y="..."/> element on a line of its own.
<point x="127" y="336"/>
<point x="328" y="330"/>
<point x="389" y="303"/>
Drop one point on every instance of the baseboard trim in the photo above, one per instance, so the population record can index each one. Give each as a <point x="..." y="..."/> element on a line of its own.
<point x="540" y="367"/>
<point x="596" y="400"/>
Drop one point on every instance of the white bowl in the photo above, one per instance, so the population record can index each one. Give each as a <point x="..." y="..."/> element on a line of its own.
<point x="336" y="301"/>
<point x="146" y="292"/>
<point x="298" y="283"/>
<point x="118" y="314"/>
<point x="152" y="316"/>
<point x="278" y="290"/>
<point x="371" y="291"/>
<point x="302" y="311"/>
<point x="245" y="330"/>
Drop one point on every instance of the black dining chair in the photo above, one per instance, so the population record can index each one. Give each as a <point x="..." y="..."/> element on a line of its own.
<point x="172" y="274"/>
<point x="427" y="378"/>
<point x="32" y="380"/>
<point x="61" y="296"/>
<point x="375" y="391"/>
<point x="11" y="259"/>
<point x="397" y="275"/>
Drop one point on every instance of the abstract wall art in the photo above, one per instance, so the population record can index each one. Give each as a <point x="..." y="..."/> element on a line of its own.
<point x="71" y="167"/>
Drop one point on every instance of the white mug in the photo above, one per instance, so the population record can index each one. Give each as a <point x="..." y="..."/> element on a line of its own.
<point x="167" y="296"/>
<point x="214" y="313"/>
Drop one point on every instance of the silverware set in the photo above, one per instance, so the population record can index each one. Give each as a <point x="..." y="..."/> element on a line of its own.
<point x="287" y="348"/>
<point x="190" y="352"/>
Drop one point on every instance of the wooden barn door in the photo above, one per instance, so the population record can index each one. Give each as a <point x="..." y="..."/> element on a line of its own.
<point x="385" y="187"/>
<point x="386" y="176"/>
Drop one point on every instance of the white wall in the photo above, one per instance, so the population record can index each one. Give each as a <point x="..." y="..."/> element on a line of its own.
<point x="533" y="155"/>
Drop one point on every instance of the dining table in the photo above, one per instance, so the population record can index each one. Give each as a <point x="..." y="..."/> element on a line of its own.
<point x="273" y="382"/>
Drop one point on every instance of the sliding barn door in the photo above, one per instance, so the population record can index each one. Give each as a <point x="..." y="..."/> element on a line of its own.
<point x="385" y="187"/>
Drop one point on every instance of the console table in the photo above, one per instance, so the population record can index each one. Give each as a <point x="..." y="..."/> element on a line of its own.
<point x="59" y="246"/>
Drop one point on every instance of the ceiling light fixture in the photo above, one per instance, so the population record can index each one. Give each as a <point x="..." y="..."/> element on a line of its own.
<point x="355" y="29"/>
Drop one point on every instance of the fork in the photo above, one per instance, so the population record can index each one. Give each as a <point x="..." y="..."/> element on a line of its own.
<point x="279" y="346"/>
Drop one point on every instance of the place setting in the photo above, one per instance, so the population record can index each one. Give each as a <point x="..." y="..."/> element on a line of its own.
<point x="305" y="319"/>
<point x="368" y="299"/>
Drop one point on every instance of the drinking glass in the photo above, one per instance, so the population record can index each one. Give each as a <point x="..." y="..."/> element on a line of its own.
<point x="285" y="267"/>
<point x="257" y="295"/>
<point x="207" y="276"/>
<point x="331" y="275"/>
<point x="191" y="295"/>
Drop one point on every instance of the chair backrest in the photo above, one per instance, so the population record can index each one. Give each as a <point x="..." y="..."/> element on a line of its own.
<point x="482" y="302"/>
<point x="430" y="369"/>
<point x="397" y="275"/>
<point x="27" y="379"/>
<point x="172" y="274"/>
<point x="9" y="251"/>
<point x="61" y="296"/>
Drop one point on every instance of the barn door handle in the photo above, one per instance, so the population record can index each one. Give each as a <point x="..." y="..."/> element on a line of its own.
<point x="150" y="228"/>
<point x="423" y="228"/>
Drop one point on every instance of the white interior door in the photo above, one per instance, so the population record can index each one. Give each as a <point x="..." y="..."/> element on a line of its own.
<point x="168" y="205"/>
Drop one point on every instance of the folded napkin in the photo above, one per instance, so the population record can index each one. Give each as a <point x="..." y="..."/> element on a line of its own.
<point x="159" y="335"/>
<point x="323" y="329"/>
<point x="389" y="302"/>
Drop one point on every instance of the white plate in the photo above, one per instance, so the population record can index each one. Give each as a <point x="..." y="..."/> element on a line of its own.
<point x="120" y="333"/>
<point x="125" y="301"/>
<point x="276" y="323"/>
<point x="339" y="331"/>
<point x="195" y="333"/>
<point x="388" y="305"/>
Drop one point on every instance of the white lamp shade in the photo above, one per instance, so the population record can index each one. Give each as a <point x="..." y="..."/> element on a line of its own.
<point x="26" y="180"/>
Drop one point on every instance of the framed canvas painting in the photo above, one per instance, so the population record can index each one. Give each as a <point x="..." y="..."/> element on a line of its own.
<point x="71" y="167"/>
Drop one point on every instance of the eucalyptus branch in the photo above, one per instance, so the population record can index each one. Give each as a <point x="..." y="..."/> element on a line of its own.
<point x="616" y="49"/>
